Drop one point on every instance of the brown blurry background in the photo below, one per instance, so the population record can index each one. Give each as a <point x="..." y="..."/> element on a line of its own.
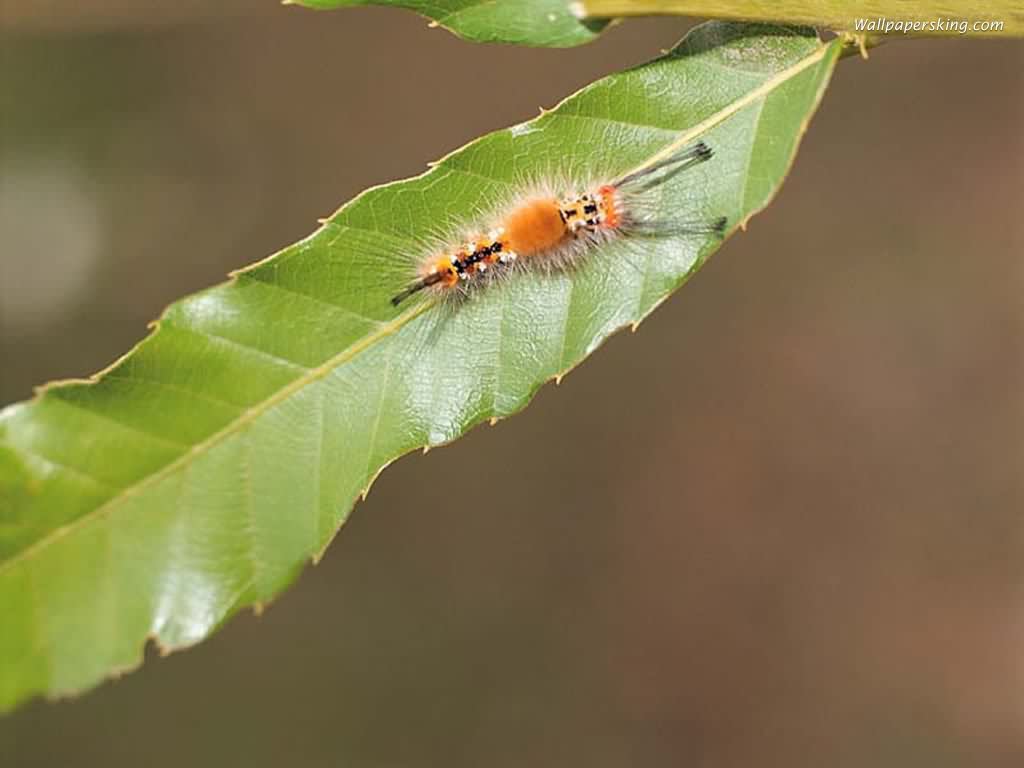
<point x="801" y="545"/>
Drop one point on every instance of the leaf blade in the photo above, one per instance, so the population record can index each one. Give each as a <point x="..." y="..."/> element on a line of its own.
<point x="197" y="474"/>
<point x="542" y="23"/>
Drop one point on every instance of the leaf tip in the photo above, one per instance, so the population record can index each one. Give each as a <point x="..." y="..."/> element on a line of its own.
<point x="257" y="608"/>
<point x="493" y="421"/>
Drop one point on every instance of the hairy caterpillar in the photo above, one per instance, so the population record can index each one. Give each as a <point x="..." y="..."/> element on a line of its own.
<point x="558" y="230"/>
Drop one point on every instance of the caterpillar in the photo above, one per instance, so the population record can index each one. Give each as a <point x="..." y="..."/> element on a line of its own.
<point x="557" y="229"/>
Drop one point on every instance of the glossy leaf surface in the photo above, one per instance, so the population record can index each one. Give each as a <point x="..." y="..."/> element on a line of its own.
<point x="198" y="474"/>
<point x="542" y="23"/>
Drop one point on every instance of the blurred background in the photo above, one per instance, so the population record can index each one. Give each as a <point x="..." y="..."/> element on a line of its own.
<point x="803" y="545"/>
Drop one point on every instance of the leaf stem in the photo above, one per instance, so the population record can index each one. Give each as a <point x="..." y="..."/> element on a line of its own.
<point x="836" y="15"/>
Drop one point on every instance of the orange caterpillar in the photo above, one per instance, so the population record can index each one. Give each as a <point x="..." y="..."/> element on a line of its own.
<point x="556" y="229"/>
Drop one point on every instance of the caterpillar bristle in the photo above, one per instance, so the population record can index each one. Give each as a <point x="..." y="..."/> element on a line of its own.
<point x="557" y="230"/>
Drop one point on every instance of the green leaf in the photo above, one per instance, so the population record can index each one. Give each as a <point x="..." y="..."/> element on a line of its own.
<point x="973" y="17"/>
<point x="199" y="473"/>
<point x="548" y="23"/>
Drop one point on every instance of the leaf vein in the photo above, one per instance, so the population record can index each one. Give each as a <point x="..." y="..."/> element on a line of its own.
<point x="247" y="416"/>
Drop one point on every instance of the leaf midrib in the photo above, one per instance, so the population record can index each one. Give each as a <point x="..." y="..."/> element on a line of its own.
<point x="245" y="418"/>
<point x="385" y="330"/>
